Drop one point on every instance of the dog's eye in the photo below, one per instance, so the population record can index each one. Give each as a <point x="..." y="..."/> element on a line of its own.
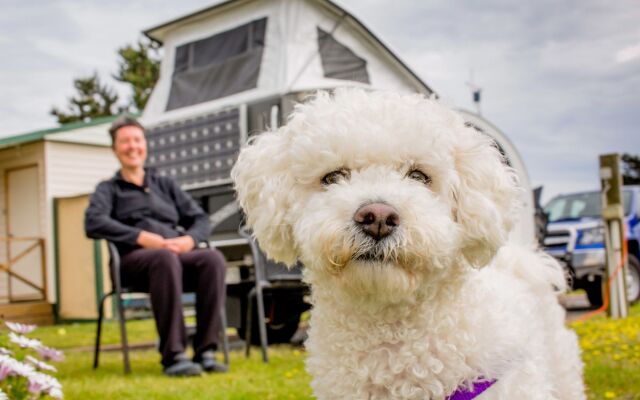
<point x="335" y="176"/>
<point x="419" y="176"/>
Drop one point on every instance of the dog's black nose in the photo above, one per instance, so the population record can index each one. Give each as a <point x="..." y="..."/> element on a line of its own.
<point x="377" y="220"/>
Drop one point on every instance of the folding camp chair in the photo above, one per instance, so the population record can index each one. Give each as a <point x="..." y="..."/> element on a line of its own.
<point x="269" y="277"/>
<point x="117" y="292"/>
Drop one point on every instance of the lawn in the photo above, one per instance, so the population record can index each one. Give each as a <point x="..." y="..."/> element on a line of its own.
<point x="611" y="354"/>
<point x="283" y="378"/>
<point x="611" y="351"/>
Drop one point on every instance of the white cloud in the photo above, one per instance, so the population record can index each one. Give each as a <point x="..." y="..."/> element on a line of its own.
<point x="628" y="53"/>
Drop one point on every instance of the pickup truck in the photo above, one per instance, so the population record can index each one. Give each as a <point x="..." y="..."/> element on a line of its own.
<point x="575" y="236"/>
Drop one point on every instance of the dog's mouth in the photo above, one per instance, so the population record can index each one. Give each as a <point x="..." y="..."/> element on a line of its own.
<point x="369" y="257"/>
<point x="366" y="251"/>
<point x="375" y="254"/>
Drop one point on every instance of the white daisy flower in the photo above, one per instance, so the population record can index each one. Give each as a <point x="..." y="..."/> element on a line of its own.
<point x="41" y="365"/>
<point x="50" y="354"/>
<point x="22" y="329"/>
<point x="43" y="383"/>
<point x="24" y="341"/>
<point x="6" y="367"/>
<point x="12" y="367"/>
<point x="56" y="393"/>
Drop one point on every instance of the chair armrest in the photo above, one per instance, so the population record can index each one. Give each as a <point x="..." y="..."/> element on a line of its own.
<point x="258" y="259"/>
<point x="114" y="266"/>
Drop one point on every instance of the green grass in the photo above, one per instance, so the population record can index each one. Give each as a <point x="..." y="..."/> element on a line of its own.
<point x="283" y="378"/>
<point x="84" y="334"/>
<point x="611" y="352"/>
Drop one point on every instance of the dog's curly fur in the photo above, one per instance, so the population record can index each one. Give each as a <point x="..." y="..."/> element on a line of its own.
<point x="442" y="301"/>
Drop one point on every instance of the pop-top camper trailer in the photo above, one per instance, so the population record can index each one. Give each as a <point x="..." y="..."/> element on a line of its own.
<point x="231" y="70"/>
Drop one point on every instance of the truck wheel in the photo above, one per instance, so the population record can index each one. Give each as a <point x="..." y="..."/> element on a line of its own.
<point x="633" y="280"/>
<point x="283" y="312"/>
<point x="282" y="332"/>
<point x="594" y="291"/>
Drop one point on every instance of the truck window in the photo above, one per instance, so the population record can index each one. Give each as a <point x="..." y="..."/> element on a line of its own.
<point x="626" y="200"/>
<point x="581" y="205"/>
<point x="574" y="206"/>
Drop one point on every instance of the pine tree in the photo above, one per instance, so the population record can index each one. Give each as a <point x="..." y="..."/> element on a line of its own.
<point x="92" y="100"/>
<point x="139" y="66"/>
<point x="630" y="169"/>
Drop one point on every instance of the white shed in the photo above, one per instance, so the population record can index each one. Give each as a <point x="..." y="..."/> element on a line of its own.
<point x="36" y="168"/>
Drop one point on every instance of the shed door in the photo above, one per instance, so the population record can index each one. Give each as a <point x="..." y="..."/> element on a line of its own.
<point x="26" y="282"/>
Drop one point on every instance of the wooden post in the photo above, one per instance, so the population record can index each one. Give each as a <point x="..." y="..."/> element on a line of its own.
<point x="43" y="268"/>
<point x="613" y="216"/>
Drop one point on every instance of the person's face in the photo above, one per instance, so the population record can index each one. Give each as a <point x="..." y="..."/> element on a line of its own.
<point x="130" y="147"/>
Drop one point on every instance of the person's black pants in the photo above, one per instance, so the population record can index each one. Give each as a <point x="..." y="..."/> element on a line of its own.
<point x="166" y="275"/>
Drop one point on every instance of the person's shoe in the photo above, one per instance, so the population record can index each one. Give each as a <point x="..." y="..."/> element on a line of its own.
<point x="209" y="364"/>
<point x="182" y="366"/>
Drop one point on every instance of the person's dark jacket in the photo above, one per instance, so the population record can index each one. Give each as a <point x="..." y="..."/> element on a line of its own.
<point x="119" y="210"/>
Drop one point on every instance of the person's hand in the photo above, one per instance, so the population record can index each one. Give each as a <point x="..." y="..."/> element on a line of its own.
<point x="181" y="244"/>
<point x="150" y="240"/>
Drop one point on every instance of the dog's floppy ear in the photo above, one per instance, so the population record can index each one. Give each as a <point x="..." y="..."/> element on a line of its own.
<point x="485" y="195"/>
<point x="264" y="190"/>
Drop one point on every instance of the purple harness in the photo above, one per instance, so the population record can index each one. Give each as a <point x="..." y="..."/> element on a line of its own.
<point x="478" y="388"/>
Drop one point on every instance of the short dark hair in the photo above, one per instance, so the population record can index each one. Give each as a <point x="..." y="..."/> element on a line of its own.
<point x="121" y="122"/>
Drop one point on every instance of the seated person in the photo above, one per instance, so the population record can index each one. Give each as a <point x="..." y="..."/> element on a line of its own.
<point x="157" y="228"/>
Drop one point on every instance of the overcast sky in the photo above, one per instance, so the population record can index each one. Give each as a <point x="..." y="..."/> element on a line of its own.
<point x="560" y="78"/>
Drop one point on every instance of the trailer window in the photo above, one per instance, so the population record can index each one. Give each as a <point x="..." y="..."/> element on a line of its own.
<point x="339" y="61"/>
<point x="217" y="66"/>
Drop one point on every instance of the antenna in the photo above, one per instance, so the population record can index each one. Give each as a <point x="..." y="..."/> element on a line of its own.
<point x="476" y="92"/>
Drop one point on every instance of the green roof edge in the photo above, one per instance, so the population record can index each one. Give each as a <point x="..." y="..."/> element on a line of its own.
<point x="37" y="135"/>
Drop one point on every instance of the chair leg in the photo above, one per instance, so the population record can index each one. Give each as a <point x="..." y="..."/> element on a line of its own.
<point x="225" y="338"/>
<point x="96" y="353"/>
<point x="248" y="322"/>
<point x="262" y="325"/>
<point x="123" y="334"/>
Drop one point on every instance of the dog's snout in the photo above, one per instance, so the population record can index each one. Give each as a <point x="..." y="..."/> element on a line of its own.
<point x="377" y="220"/>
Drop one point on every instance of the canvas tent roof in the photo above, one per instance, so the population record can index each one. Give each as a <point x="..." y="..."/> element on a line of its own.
<point x="159" y="32"/>
<point x="238" y="51"/>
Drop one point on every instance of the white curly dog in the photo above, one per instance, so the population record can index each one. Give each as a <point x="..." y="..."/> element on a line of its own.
<point x="400" y="214"/>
